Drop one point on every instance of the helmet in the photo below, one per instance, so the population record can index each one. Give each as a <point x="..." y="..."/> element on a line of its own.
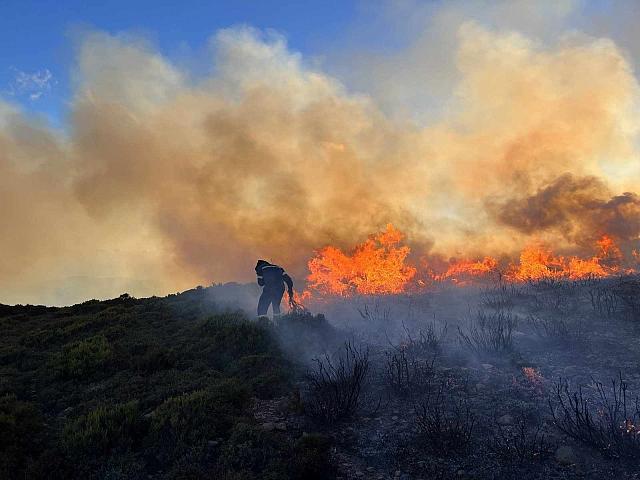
<point x="260" y="265"/>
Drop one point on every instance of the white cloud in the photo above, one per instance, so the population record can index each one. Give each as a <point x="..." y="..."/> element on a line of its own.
<point x="32" y="85"/>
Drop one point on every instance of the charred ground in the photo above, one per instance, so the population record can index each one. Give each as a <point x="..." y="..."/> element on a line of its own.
<point x="534" y="380"/>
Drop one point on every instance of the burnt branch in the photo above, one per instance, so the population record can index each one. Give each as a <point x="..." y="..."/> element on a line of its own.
<point x="607" y="421"/>
<point x="336" y="385"/>
<point x="489" y="333"/>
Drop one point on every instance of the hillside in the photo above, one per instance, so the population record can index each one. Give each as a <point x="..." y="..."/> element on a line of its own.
<point x="522" y="381"/>
<point x="144" y="388"/>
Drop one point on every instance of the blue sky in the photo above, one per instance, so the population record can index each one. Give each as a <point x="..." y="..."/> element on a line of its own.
<point x="36" y="37"/>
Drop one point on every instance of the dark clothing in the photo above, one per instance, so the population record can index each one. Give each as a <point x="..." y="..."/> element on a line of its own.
<point x="270" y="297"/>
<point x="273" y="278"/>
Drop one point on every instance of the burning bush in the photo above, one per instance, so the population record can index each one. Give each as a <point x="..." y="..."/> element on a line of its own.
<point x="534" y="379"/>
<point x="489" y="333"/>
<point x="606" y="422"/>
<point x="336" y="385"/>
<point x="376" y="266"/>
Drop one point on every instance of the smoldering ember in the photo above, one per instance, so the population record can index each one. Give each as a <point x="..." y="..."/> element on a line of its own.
<point x="320" y="240"/>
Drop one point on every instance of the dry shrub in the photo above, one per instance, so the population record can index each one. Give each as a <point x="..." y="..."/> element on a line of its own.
<point x="608" y="421"/>
<point x="627" y="290"/>
<point x="336" y="385"/>
<point x="557" y="328"/>
<point x="407" y="376"/>
<point x="445" y="424"/>
<point x="519" y="444"/>
<point x="489" y="333"/>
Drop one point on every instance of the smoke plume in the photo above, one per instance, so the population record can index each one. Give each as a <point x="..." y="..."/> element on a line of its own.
<point x="581" y="209"/>
<point x="162" y="179"/>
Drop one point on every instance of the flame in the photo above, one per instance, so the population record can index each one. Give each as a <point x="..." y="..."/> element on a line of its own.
<point x="464" y="271"/>
<point x="379" y="266"/>
<point x="376" y="266"/>
<point x="538" y="262"/>
<point x="608" y="251"/>
<point x="533" y="375"/>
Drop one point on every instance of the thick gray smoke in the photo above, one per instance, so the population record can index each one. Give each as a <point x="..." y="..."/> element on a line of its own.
<point x="582" y="209"/>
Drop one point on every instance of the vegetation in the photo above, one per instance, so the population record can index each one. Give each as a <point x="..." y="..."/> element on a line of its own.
<point x="336" y="385"/>
<point x="607" y="421"/>
<point x="489" y="333"/>
<point x="128" y="388"/>
<point x="445" y="423"/>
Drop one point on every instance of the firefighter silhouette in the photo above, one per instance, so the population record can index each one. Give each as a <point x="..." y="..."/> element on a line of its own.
<point x="273" y="279"/>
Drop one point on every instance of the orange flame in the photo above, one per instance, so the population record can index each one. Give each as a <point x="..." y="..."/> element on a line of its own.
<point x="538" y="262"/>
<point x="463" y="271"/>
<point x="376" y="266"/>
<point x="533" y="375"/>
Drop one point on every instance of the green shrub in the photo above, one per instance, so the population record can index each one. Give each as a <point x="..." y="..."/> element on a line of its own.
<point x="20" y="428"/>
<point x="267" y="375"/>
<point x="51" y="463"/>
<point x="11" y="355"/>
<point x="104" y="430"/>
<point x="154" y="359"/>
<point x="153" y="350"/>
<point x="84" y="358"/>
<point x="231" y="336"/>
<point x="194" y="418"/>
<point x="251" y="449"/>
<point x="269" y="455"/>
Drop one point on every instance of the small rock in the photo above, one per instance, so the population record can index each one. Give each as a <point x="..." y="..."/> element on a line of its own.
<point x="359" y="474"/>
<point x="282" y="426"/>
<point x="565" y="455"/>
<point x="487" y="366"/>
<point x="505" y="420"/>
<point x="212" y="443"/>
<point x="405" y="476"/>
<point x="395" y="417"/>
<point x="269" y="426"/>
<point x="66" y="412"/>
